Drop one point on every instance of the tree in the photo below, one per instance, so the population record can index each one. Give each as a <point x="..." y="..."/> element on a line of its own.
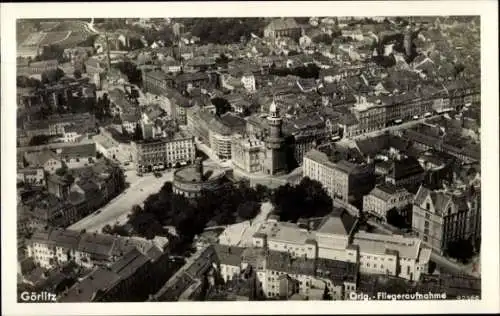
<point x="221" y="105"/>
<point x="395" y="219"/>
<point x="77" y="74"/>
<point x="461" y="249"/>
<point x="305" y="200"/>
<point x="248" y="209"/>
<point x="107" y="229"/>
<point x="326" y="294"/>
<point x="38" y="140"/>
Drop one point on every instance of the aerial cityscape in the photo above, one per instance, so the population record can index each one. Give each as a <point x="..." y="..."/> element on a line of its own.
<point x="248" y="159"/>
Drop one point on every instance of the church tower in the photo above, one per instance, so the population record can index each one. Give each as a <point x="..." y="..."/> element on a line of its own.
<point x="275" y="162"/>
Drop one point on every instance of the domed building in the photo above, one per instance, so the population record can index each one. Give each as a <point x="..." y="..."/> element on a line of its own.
<point x="190" y="181"/>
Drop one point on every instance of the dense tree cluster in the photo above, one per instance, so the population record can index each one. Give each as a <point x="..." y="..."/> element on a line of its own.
<point x="224" y="30"/>
<point x="165" y="208"/>
<point x="395" y="219"/>
<point x="306" y="199"/>
<point x="461" y="249"/>
<point x="309" y="71"/>
<point x="133" y="74"/>
<point x="221" y="105"/>
<point x="38" y="140"/>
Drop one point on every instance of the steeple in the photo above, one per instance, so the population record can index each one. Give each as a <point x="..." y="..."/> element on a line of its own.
<point x="273" y="108"/>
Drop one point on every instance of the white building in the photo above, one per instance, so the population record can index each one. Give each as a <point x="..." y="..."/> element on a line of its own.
<point x="248" y="81"/>
<point x="392" y="255"/>
<point x="385" y="197"/>
<point x="329" y="240"/>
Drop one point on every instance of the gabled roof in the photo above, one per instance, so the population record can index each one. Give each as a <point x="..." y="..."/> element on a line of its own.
<point x="282" y="24"/>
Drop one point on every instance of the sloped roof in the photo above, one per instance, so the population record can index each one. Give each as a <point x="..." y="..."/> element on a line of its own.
<point x="282" y="24"/>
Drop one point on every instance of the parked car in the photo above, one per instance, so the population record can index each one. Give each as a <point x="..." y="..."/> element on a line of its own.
<point x="158" y="174"/>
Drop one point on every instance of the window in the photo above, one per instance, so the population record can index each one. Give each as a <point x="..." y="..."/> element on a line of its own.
<point x="428" y="206"/>
<point x="426" y="224"/>
<point x="368" y="265"/>
<point x="427" y="215"/>
<point x="425" y="238"/>
<point x="381" y="266"/>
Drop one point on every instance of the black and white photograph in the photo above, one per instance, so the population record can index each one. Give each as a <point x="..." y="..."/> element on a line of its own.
<point x="252" y="159"/>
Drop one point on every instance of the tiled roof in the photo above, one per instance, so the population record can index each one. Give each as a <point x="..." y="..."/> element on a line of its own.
<point x="340" y="225"/>
<point x="386" y="191"/>
<point x="282" y="24"/>
<point x="79" y="150"/>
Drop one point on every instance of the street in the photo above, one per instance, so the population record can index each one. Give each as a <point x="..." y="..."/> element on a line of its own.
<point x="393" y="128"/>
<point x="116" y="210"/>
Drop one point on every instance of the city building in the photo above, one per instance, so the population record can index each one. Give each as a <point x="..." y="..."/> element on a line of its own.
<point x="306" y="277"/>
<point x="385" y="197"/>
<point x="53" y="247"/>
<point x="190" y="181"/>
<point x="190" y="280"/>
<point x="406" y="172"/>
<point x="212" y="131"/>
<point x="393" y="255"/>
<point x="370" y="114"/>
<point x="46" y="159"/>
<point x="161" y="153"/>
<point x="343" y="180"/>
<point x="43" y="210"/>
<point x="247" y="154"/>
<point x="32" y="176"/>
<point x="441" y="217"/>
<point x="128" y="279"/>
<point x="326" y="238"/>
<point x="283" y="27"/>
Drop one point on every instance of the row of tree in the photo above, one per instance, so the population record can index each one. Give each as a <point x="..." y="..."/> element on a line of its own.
<point x="233" y="203"/>
<point x="224" y="30"/>
<point x="165" y="208"/>
<point x="309" y="71"/>
<point x="304" y="200"/>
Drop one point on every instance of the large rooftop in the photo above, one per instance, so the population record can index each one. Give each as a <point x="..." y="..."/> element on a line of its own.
<point x="190" y="174"/>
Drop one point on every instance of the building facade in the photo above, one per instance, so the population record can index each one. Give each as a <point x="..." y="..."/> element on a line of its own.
<point x="385" y="197"/>
<point x="247" y="154"/>
<point x="191" y="181"/>
<point x="441" y="217"/>
<point x="392" y="255"/>
<point x="342" y="180"/>
<point x="159" y="154"/>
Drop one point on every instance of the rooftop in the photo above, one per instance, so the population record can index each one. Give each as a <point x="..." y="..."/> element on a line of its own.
<point x="386" y="191"/>
<point x="287" y="232"/>
<point x="341" y="224"/>
<point x="380" y="244"/>
<point x="190" y="174"/>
